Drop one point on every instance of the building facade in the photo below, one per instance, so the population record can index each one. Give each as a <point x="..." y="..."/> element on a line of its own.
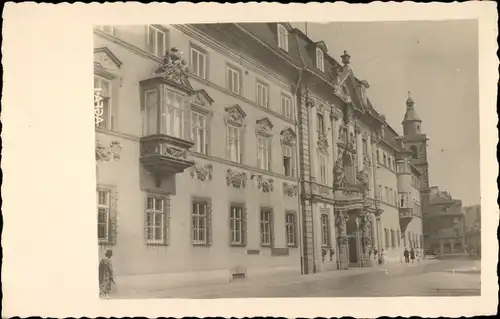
<point x="233" y="150"/>
<point x="472" y="221"/>
<point x="444" y="225"/>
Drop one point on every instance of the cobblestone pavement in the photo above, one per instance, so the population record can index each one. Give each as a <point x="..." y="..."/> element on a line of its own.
<point x="429" y="278"/>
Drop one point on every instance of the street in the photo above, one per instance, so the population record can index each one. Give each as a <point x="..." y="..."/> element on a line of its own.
<point x="428" y="278"/>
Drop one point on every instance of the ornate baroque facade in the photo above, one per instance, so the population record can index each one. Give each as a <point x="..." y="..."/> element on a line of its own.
<point x="244" y="148"/>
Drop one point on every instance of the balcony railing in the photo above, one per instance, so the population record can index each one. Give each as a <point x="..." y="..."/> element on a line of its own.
<point x="322" y="190"/>
<point x="405" y="213"/>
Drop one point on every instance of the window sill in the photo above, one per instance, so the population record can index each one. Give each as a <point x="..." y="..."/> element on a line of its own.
<point x="151" y="243"/>
<point x="105" y="242"/>
<point x="238" y="245"/>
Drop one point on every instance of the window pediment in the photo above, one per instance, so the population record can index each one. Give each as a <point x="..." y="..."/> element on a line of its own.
<point x="106" y="60"/>
<point x="235" y="115"/>
<point x="201" y="99"/>
<point x="288" y="136"/>
<point x="322" y="46"/>
<point x="264" y="126"/>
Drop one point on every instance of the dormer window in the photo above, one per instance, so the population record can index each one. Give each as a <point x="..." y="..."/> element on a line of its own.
<point x="320" y="60"/>
<point x="282" y="37"/>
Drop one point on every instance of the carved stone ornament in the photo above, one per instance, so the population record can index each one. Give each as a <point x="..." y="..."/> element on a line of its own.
<point x="290" y="190"/>
<point x="348" y="114"/>
<point x="236" y="179"/>
<point x="366" y="160"/>
<point x="168" y="150"/>
<point x="235" y="114"/>
<point x="264" y="126"/>
<point x="375" y="138"/>
<point x="309" y="102"/>
<point x="173" y="68"/>
<point x="351" y="142"/>
<point x="364" y="224"/>
<point x="357" y="128"/>
<point x="105" y="153"/>
<point x="288" y="137"/>
<point x="202" y="172"/>
<point x="265" y="185"/>
<point x="341" y="219"/>
<point x="340" y="180"/>
<point x="362" y="177"/>
<point x="322" y="142"/>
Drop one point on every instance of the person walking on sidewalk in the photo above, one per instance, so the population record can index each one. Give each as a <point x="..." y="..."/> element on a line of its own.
<point x="407" y="255"/>
<point x="106" y="276"/>
<point x="412" y="255"/>
<point x="417" y="253"/>
<point x="382" y="257"/>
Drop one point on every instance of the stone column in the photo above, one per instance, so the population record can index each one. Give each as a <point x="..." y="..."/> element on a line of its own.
<point x="366" y="240"/>
<point x="341" y="218"/>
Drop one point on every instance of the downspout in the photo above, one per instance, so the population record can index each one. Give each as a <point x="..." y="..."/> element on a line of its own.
<point x="297" y="169"/>
<point x="304" y="68"/>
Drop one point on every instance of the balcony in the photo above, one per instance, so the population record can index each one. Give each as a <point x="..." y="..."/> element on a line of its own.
<point x="322" y="191"/>
<point x="164" y="155"/>
<point x="405" y="217"/>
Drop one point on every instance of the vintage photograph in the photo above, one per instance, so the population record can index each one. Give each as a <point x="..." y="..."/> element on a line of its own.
<point x="280" y="159"/>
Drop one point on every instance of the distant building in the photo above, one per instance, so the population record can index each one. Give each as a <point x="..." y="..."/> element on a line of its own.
<point x="444" y="223"/>
<point x="472" y="215"/>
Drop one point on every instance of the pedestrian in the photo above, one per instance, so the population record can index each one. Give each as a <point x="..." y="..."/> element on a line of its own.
<point x="382" y="257"/>
<point x="106" y="276"/>
<point x="417" y="254"/>
<point x="407" y="255"/>
<point x="412" y="254"/>
<point x="375" y="254"/>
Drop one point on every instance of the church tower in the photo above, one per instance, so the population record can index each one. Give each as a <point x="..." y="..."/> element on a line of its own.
<point x="416" y="141"/>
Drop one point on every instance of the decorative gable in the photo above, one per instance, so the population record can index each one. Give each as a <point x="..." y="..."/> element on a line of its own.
<point x="173" y="70"/>
<point x="235" y="115"/>
<point x="201" y="98"/>
<point x="288" y="136"/>
<point x="106" y="60"/>
<point x="264" y="126"/>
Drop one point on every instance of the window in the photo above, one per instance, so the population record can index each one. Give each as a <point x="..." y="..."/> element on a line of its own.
<point x="198" y="62"/>
<point x="386" y="198"/>
<point x="323" y="169"/>
<point x="199" y="133"/>
<point x="393" y="239"/>
<point x="286" y="107"/>
<point x="262" y="95"/>
<point x="456" y="233"/>
<point x="102" y="102"/>
<point x="325" y="231"/>
<point x="200" y="223"/>
<point x="378" y="157"/>
<point x="103" y="217"/>
<point x="288" y="162"/>
<point x="321" y="123"/>
<point x="399" y="238"/>
<point x="263" y="158"/>
<point x="156" y="41"/>
<point x="172" y="114"/>
<point x="385" y="160"/>
<point x="390" y="162"/>
<point x="238" y="225"/>
<point x="282" y="38"/>
<point x="395" y="199"/>
<point x="379" y="195"/>
<point x="291" y="228"/>
<point x="266" y="227"/>
<point x="365" y="148"/>
<point x="233" y="80"/>
<point x="386" y="233"/>
<point x="320" y="60"/>
<point x="109" y="29"/>
<point x="156" y="219"/>
<point x="151" y="100"/>
<point x="390" y="200"/>
<point x="234" y="143"/>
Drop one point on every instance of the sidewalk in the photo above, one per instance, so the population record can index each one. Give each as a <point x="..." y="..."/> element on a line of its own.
<point x="275" y="280"/>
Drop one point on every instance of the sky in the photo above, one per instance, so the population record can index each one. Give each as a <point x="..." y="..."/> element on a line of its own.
<point x="438" y="62"/>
